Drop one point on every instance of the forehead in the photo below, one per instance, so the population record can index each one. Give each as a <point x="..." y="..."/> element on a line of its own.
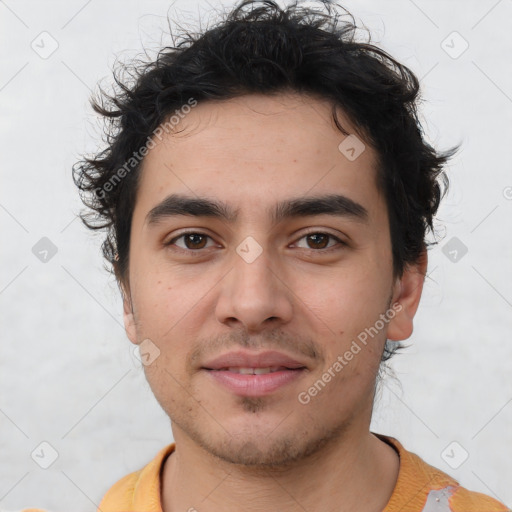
<point x="253" y="150"/>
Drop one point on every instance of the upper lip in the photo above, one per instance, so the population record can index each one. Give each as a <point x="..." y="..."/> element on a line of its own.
<point x="240" y="359"/>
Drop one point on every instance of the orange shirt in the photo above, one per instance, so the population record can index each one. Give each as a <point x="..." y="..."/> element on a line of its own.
<point x="419" y="488"/>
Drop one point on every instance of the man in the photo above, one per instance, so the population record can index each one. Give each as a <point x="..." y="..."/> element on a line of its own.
<point x="267" y="192"/>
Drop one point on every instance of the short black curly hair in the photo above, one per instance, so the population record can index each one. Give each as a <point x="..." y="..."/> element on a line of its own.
<point x="260" y="47"/>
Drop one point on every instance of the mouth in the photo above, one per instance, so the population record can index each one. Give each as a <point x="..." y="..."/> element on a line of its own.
<point x="249" y="373"/>
<point x="254" y="371"/>
<point x="254" y="381"/>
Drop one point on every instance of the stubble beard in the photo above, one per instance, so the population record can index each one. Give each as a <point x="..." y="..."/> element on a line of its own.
<point x="279" y="450"/>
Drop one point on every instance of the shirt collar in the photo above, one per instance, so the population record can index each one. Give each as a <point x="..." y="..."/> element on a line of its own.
<point x="415" y="480"/>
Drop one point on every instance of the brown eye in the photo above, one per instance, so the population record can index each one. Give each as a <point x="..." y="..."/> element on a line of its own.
<point x="318" y="241"/>
<point x="190" y="241"/>
<point x="194" y="241"/>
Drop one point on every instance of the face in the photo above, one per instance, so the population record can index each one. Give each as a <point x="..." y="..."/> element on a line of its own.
<point x="294" y="288"/>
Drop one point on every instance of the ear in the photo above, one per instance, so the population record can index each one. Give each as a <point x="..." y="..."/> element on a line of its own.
<point x="128" y="315"/>
<point x="406" y="298"/>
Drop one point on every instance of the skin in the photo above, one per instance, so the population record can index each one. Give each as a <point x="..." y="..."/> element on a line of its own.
<point x="272" y="452"/>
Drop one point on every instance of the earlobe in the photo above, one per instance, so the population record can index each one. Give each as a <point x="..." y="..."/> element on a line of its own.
<point x="128" y="315"/>
<point x="406" y="298"/>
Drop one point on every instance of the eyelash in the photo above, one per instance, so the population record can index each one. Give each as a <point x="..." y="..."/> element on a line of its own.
<point x="199" y="251"/>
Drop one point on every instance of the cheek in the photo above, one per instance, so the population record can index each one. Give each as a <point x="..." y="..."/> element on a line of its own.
<point x="345" y="300"/>
<point x="155" y="296"/>
<point x="346" y="313"/>
<point x="168" y="310"/>
<point x="163" y="289"/>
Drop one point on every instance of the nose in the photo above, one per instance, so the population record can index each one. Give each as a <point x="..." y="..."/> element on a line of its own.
<point x="254" y="296"/>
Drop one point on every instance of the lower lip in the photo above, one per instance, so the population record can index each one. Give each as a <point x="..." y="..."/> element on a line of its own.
<point x="254" y="385"/>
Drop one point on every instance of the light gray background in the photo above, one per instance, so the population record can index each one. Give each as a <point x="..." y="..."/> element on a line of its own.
<point x="68" y="374"/>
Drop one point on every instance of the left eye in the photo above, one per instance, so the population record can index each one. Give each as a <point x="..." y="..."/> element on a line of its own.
<point x="319" y="240"/>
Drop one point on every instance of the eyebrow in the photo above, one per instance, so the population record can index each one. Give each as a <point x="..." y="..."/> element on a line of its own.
<point x="330" y="204"/>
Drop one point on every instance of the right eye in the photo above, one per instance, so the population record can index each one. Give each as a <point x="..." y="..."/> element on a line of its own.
<point x="192" y="241"/>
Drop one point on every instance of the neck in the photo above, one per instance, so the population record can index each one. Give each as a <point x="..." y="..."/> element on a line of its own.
<point x="355" y="472"/>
